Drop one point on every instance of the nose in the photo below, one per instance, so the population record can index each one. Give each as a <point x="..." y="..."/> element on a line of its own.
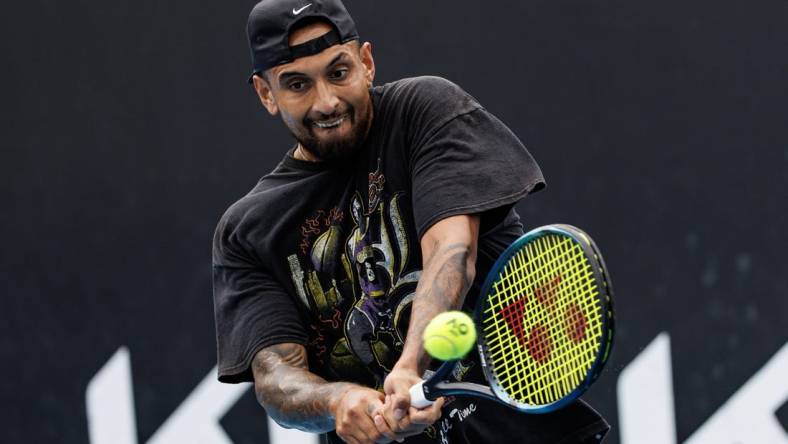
<point x="326" y="102"/>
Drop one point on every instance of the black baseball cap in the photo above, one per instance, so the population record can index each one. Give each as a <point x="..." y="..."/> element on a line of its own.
<point x="271" y="21"/>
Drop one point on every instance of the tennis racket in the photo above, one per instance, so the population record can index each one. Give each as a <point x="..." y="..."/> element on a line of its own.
<point x="544" y="324"/>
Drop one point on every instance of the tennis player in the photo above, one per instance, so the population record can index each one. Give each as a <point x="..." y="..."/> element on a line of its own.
<point x="388" y="209"/>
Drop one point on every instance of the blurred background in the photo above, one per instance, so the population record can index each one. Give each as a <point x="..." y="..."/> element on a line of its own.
<point x="128" y="127"/>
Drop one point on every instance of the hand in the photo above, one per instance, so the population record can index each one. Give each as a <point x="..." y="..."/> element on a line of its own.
<point x="354" y="414"/>
<point x="398" y="415"/>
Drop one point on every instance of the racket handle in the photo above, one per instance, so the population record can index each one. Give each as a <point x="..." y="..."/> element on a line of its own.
<point x="417" y="397"/>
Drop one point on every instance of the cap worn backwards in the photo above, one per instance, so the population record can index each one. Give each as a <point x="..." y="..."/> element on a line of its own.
<point x="271" y="22"/>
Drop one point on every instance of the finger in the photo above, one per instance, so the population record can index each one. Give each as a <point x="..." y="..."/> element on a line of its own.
<point x="358" y="428"/>
<point x="368" y="431"/>
<point x="400" y="403"/>
<point x="384" y="428"/>
<point x="397" y="405"/>
<point x="376" y="407"/>
<point x="427" y="415"/>
<point x="349" y="439"/>
<point x="376" y="410"/>
<point x="386" y="415"/>
<point x="396" y="425"/>
<point x="424" y="417"/>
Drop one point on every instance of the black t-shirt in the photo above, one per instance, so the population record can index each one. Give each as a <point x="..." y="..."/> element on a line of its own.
<point x="327" y="255"/>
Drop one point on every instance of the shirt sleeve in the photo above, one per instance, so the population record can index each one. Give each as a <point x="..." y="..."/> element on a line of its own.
<point x="471" y="163"/>
<point x="251" y="309"/>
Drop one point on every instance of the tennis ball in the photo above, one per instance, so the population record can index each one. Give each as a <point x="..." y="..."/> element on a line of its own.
<point x="449" y="336"/>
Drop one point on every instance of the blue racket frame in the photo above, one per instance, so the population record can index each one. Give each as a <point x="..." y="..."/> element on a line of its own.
<point x="437" y="384"/>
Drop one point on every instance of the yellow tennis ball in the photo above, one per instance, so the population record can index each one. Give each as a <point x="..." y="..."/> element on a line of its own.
<point x="449" y="336"/>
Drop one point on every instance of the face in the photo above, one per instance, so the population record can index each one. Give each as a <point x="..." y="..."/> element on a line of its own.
<point x="323" y="99"/>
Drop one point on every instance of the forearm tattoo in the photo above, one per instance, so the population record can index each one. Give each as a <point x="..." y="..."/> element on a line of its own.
<point x="290" y="393"/>
<point x="448" y="274"/>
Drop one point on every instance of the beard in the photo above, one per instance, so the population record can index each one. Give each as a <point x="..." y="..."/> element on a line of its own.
<point x="335" y="147"/>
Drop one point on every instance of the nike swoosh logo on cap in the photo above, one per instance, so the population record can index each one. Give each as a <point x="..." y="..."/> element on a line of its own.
<point x="301" y="9"/>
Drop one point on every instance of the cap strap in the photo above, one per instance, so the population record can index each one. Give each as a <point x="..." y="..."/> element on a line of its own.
<point x="315" y="46"/>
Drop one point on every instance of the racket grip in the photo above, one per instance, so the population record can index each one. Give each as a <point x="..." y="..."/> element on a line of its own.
<point x="417" y="397"/>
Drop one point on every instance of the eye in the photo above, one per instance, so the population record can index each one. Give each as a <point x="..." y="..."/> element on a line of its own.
<point x="296" y="85"/>
<point x="338" y="74"/>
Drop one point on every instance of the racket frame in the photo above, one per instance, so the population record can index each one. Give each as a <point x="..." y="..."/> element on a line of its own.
<point x="435" y="383"/>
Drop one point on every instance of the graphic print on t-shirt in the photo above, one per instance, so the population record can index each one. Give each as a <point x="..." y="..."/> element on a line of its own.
<point x="353" y="273"/>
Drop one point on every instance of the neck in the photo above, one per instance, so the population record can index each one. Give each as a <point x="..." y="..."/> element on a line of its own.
<point x="302" y="154"/>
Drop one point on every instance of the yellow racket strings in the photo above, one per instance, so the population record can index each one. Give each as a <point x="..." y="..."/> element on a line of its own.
<point x="553" y="332"/>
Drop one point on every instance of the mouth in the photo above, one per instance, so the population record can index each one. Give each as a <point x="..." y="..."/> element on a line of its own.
<point x="327" y="124"/>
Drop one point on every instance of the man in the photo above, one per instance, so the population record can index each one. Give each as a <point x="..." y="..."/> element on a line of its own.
<point x="389" y="209"/>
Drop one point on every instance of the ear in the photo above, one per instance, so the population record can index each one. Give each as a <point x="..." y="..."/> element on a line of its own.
<point x="365" y="52"/>
<point x="265" y="94"/>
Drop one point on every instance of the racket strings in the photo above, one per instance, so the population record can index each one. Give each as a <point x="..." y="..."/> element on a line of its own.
<point x="566" y="357"/>
<point x="565" y="371"/>
<point x="541" y="396"/>
<point x="571" y="372"/>
<point x="514" y="282"/>
<point x="542" y="350"/>
<point x="561" y="379"/>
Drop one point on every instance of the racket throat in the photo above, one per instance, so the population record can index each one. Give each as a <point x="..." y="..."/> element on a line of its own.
<point x="424" y="394"/>
<point x="460" y="389"/>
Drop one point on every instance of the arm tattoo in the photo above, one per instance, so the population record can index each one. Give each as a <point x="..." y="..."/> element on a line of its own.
<point x="448" y="274"/>
<point x="290" y="393"/>
<point x="453" y="279"/>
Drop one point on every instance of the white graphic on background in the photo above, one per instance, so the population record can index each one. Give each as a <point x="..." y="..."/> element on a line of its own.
<point x="110" y="402"/>
<point x="111" y="419"/>
<point x="748" y="416"/>
<point x="645" y="405"/>
<point x="647" y="413"/>
<point x="645" y="396"/>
